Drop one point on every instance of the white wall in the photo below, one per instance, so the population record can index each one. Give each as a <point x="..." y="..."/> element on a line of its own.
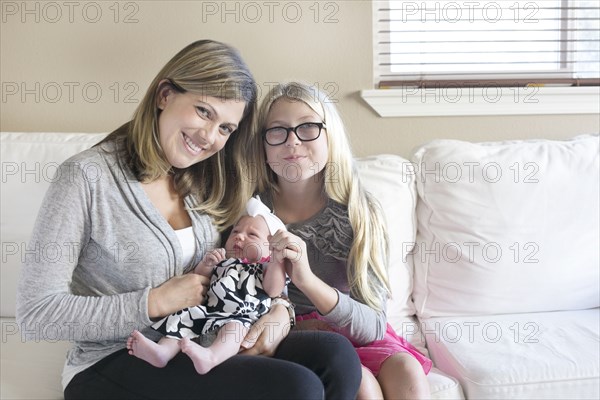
<point x="56" y="55"/>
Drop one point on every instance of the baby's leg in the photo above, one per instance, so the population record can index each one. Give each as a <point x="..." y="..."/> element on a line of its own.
<point x="369" y="387"/>
<point x="401" y="376"/>
<point x="226" y="345"/>
<point x="157" y="354"/>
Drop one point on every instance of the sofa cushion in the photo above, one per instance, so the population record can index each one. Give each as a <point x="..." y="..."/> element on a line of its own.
<point x="443" y="386"/>
<point x="30" y="369"/>
<point x="507" y="227"/>
<point x="29" y="164"/>
<point x="391" y="181"/>
<point x="521" y="356"/>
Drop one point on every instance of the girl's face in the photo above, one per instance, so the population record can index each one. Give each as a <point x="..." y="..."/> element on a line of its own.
<point x="295" y="160"/>
<point x="192" y="128"/>
<point x="249" y="239"/>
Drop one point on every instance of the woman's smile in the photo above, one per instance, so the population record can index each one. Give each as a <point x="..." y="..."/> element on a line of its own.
<point x="191" y="146"/>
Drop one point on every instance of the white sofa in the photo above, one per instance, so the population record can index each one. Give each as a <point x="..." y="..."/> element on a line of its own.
<point x="495" y="263"/>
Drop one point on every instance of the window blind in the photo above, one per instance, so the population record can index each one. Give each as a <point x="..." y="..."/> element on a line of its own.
<point x="445" y="43"/>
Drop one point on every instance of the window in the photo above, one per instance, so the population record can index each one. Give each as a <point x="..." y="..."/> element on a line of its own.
<point x="507" y="43"/>
<point x="479" y="57"/>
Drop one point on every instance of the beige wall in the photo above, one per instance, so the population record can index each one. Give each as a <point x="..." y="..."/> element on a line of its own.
<point x="80" y="66"/>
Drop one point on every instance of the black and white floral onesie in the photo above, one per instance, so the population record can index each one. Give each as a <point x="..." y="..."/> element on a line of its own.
<point x="235" y="294"/>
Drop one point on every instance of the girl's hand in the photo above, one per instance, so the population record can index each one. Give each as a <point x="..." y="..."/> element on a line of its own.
<point x="290" y="249"/>
<point x="177" y="293"/>
<point x="266" y="334"/>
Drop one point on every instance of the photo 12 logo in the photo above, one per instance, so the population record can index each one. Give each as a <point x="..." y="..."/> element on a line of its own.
<point x="270" y="11"/>
<point x="66" y="330"/>
<point x="55" y="252"/>
<point x="454" y="93"/>
<point x="467" y="11"/>
<point x="488" y="252"/>
<point x="472" y="172"/>
<point x="71" y="92"/>
<point x="474" y="331"/>
<point x="53" y="12"/>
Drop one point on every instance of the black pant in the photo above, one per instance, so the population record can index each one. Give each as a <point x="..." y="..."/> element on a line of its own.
<point x="307" y="365"/>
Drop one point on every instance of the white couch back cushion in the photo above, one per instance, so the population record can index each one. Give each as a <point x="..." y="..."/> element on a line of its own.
<point x="391" y="181"/>
<point x="507" y="227"/>
<point x="29" y="164"/>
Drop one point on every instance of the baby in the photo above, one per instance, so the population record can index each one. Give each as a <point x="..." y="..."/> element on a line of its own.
<point x="240" y="292"/>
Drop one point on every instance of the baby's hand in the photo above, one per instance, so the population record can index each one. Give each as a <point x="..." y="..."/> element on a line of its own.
<point x="214" y="257"/>
<point x="209" y="261"/>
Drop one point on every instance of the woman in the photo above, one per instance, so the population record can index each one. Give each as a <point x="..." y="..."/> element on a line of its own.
<point x="336" y="242"/>
<point x="138" y="211"/>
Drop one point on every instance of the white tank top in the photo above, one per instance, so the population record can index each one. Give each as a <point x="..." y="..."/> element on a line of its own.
<point x="188" y="243"/>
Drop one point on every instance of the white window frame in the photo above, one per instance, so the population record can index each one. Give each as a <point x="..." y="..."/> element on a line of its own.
<point x="410" y="101"/>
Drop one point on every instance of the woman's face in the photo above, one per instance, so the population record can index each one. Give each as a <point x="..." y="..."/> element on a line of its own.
<point x="192" y="127"/>
<point x="295" y="160"/>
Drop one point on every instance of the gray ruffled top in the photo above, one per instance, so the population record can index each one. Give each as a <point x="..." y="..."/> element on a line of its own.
<point x="328" y="236"/>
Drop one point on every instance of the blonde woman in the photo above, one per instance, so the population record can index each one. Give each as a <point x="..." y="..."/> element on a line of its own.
<point x="138" y="212"/>
<point x="336" y="242"/>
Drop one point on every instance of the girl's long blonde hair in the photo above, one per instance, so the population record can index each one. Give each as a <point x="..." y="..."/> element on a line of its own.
<point x="368" y="255"/>
<point x="220" y="184"/>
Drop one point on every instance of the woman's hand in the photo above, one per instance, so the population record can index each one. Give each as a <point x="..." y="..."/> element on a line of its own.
<point x="313" y="325"/>
<point x="177" y="293"/>
<point x="266" y="334"/>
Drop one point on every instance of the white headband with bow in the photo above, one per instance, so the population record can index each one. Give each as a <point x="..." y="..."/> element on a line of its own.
<point x="256" y="207"/>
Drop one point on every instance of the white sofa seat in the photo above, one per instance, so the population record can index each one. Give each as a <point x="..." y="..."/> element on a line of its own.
<point x="30" y="369"/>
<point x="551" y="355"/>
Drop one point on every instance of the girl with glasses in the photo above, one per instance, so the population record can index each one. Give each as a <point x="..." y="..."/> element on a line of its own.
<point x="336" y="247"/>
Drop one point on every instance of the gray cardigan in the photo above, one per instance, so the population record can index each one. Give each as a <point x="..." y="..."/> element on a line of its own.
<point x="98" y="246"/>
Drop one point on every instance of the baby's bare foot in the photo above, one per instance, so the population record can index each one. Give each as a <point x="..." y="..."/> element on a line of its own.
<point x="147" y="350"/>
<point x="202" y="357"/>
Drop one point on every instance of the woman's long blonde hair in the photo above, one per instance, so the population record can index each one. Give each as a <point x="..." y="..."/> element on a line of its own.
<point x="220" y="184"/>
<point x="368" y="255"/>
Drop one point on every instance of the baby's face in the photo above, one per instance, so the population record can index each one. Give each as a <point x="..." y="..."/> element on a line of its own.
<point x="249" y="239"/>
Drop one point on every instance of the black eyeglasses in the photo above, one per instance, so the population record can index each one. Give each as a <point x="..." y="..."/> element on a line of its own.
<point x="305" y="132"/>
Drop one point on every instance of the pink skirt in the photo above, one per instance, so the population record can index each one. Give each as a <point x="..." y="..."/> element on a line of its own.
<point x="374" y="354"/>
